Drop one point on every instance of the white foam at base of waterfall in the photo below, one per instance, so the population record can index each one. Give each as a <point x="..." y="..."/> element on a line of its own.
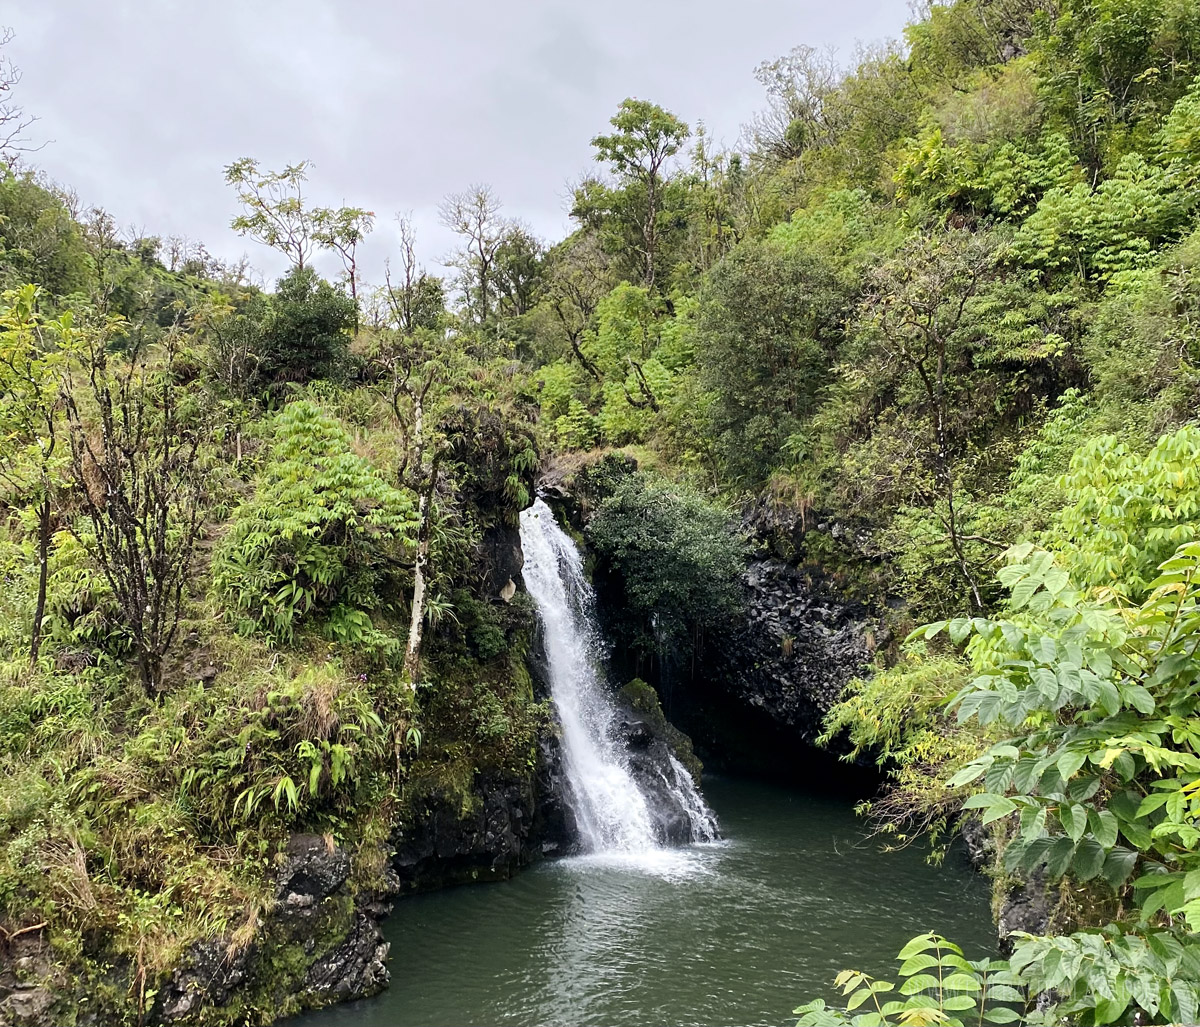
<point x="610" y="809"/>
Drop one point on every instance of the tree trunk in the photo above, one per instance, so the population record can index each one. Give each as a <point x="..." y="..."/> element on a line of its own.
<point x="412" y="655"/>
<point x="947" y="482"/>
<point x="651" y="234"/>
<point x="39" y="612"/>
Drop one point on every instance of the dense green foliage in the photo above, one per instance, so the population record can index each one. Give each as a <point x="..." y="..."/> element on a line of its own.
<point x="947" y="296"/>
<point x="677" y="559"/>
<point x="218" y="504"/>
<point x="315" y="538"/>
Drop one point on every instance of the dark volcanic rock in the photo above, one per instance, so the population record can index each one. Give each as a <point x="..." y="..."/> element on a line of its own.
<point x="658" y="778"/>
<point x="447" y="844"/>
<point x="505" y="825"/>
<point x="1027" y="907"/>
<point x="318" y="944"/>
<point x="31" y="986"/>
<point x="498" y="558"/>
<point x="311" y="869"/>
<point x="795" y="649"/>
<point x="355" y="968"/>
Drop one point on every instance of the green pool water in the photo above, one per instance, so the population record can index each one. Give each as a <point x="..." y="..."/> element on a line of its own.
<point x="739" y="932"/>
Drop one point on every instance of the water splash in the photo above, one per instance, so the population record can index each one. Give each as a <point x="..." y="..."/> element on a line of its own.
<point x="701" y="820"/>
<point x="612" y="812"/>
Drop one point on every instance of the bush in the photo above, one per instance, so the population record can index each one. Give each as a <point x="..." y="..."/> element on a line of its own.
<point x="305" y="333"/>
<point x="675" y="557"/>
<point x="323" y="535"/>
<point x="764" y="344"/>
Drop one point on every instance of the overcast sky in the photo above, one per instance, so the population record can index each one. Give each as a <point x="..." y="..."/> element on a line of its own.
<point x="396" y="102"/>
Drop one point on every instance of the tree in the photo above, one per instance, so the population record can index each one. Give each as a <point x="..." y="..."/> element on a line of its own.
<point x="341" y="229"/>
<point x="30" y="409"/>
<point x="579" y="278"/>
<point x="40" y="242"/>
<point x="304" y="335"/>
<point x="917" y="311"/>
<point x="275" y="214"/>
<point x="273" y="208"/>
<point x="475" y="216"/>
<point x="134" y="442"/>
<point x="1113" y="63"/>
<point x="718" y="182"/>
<point x="629" y="329"/>
<point x="415" y="299"/>
<point x="797" y="116"/>
<point x="674" y="558"/>
<point x="768" y="324"/>
<point x="14" y="122"/>
<point x="416" y="365"/>
<point x="646" y="137"/>
<point x="519" y="271"/>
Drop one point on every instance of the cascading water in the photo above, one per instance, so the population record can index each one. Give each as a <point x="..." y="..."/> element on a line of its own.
<point x="612" y="811"/>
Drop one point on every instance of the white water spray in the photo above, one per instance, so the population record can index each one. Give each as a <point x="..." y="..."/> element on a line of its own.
<point x="611" y="810"/>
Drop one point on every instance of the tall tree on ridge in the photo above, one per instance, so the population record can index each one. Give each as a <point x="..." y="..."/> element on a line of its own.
<point x="646" y="137"/>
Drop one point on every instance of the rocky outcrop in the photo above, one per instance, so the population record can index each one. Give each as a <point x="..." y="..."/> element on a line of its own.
<point x="32" y="990"/>
<point x="1026" y="907"/>
<point x="501" y="825"/>
<point x="319" y="944"/>
<point x="794" y="650"/>
<point x="498" y="559"/>
<point x="446" y="843"/>
<point x="656" y="750"/>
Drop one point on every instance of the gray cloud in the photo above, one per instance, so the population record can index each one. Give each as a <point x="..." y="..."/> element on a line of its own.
<point x="397" y="103"/>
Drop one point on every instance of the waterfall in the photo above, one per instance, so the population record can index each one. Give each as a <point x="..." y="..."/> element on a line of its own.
<point x="613" y="812"/>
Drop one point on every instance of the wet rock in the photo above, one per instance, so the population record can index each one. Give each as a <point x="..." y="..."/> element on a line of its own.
<point x="27" y="1005"/>
<point x="1027" y="907"/>
<point x="503" y="828"/>
<point x="210" y="977"/>
<point x="318" y="944"/>
<point x="355" y="968"/>
<point x="312" y="868"/>
<point x="978" y="841"/>
<point x="660" y="758"/>
<point x="499" y="558"/>
<point x="33" y="991"/>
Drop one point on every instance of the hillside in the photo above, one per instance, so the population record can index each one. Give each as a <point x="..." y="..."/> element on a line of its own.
<point x="927" y="339"/>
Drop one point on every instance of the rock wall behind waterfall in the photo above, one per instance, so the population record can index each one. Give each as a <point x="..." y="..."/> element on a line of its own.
<point x="810" y="624"/>
<point x="795" y="648"/>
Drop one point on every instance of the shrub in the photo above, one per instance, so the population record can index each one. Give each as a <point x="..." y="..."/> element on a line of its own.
<point x="676" y="558"/>
<point x="324" y="534"/>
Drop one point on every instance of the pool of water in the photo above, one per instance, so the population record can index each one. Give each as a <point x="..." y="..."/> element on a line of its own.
<point x="736" y="932"/>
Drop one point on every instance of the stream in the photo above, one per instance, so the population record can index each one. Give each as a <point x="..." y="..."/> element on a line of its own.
<point x="734" y="932"/>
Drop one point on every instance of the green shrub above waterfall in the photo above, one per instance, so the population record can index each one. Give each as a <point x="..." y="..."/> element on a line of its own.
<point x="674" y="559"/>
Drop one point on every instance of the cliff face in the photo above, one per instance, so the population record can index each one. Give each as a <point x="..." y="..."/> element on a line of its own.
<point x="764" y="681"/>
<point x="794" y="649"/>
<point x="318" y="943"/>
<point x="809" y="621"/>
<point x="508" y="822"/>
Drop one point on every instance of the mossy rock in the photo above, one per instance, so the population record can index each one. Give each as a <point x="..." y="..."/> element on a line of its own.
<point x="643" y="699"/>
